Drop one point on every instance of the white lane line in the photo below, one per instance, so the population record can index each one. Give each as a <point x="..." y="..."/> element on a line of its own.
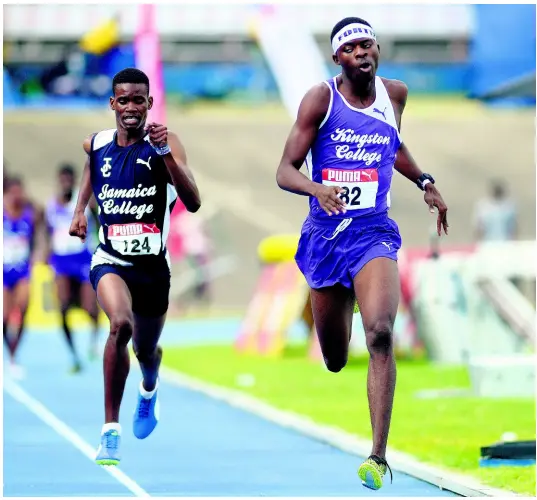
<point x="19" y="394"/>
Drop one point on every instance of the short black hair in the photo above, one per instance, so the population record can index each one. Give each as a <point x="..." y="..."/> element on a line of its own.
<point x="130" y="75"/>
<point x="344" y="22"/>
<point x="66" y="169"/>
<point x="498" y="188"/>
<point x="13" y="180"/>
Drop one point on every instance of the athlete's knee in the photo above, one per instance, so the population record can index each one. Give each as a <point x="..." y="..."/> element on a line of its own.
<point x="121" y="327"/>
<point x="335" y="364"/>
<point x="334" y="341"/>
<point x="379" y="337"/>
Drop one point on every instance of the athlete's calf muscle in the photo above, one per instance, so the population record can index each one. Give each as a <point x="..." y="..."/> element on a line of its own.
<point x="332" y="309"/>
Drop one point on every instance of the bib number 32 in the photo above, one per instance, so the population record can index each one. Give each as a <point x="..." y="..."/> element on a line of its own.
<point x="359" y="187"/>
<point x="135" y="239"/>
<point x="351" y="196"/>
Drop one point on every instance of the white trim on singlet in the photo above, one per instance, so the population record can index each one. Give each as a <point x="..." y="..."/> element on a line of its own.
<point x="171" y="196"/>
<point x="329" y="110"/>
<point x="102" y="239"/>
<point x="101" y="257"/>
<point x="390" y="112"/>
<point x="309" y="164"/>
<point x="103" y="138"/>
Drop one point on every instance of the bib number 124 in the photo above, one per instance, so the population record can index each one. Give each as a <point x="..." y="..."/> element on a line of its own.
<point x="137" y="245"/>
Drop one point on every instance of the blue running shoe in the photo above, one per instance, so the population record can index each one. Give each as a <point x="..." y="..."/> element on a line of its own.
<point x="146" y="414"/>
<point x="108" y="452"/>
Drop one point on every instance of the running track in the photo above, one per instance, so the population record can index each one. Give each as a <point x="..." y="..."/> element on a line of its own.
<point x="201" y="447"/>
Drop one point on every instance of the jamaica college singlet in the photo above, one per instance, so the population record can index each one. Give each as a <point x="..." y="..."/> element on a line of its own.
<point x="135" y="195"/>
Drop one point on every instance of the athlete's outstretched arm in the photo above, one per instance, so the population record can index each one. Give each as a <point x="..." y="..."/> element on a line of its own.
<point x="85" y="191"/>
<point x="311" y="114"/>
<point x="79" y="224"/>
<point x="406" y="165"/>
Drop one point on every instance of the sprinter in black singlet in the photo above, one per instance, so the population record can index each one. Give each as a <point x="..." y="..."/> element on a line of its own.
<point x="136" y="172"/>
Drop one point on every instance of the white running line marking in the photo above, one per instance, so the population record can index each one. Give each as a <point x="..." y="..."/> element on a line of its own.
<point x="15" y="391"/>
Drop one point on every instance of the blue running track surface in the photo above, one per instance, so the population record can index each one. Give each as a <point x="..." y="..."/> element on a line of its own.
<point x="201" y="447"/>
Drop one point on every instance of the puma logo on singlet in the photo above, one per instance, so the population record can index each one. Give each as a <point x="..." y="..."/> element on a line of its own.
<point x="387" y="245"/>
<point x="150" y="228"/>
<point x="376" y="110"/>
<point x="142" y="162"/>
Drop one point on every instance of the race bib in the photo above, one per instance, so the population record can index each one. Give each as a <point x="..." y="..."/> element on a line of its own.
<point x="135" y="239"/>
<point x="16" y="249"/>
<point x="359" y="186"/>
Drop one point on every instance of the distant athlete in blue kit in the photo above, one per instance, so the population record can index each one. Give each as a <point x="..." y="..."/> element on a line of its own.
<point x="136" y="171"/>
<point x="22" y="223"/>
<point x="348" y="134"/>
<point x="70" y="259"/>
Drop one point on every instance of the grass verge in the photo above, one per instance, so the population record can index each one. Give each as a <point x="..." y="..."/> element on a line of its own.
<point x="441" y="431"/>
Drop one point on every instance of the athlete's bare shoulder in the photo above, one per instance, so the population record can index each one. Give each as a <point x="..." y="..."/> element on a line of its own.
<point x="397" y="90"/>
<point x="319" y="91"/>
<point x="314" y="105"/>
<point x="87" y="142"/>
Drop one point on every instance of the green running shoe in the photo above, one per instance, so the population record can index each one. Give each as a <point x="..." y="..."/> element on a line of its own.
<point x="372" y="471"/>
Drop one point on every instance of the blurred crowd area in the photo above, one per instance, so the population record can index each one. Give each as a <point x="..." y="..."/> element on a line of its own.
<point x="59" y="61"/>
<point x="210" y="52"/>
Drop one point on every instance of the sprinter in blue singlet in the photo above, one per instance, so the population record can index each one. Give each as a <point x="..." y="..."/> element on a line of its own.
<point x="70" y="259"/>
<point x="136" y="172"/>
<point x="22" y="222"/>
<point x="348" y="134"/>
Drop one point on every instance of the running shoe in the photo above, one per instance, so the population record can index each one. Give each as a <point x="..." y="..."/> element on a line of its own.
<point x="146" y="414"/>
<point x="108" y="452"/>
<point x="372" y="472"/>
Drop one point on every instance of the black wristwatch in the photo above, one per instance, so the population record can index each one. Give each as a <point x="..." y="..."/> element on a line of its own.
<point x="423" y="180"/>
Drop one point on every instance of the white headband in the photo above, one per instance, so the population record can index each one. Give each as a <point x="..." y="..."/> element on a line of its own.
<point x="352" y="32"/>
